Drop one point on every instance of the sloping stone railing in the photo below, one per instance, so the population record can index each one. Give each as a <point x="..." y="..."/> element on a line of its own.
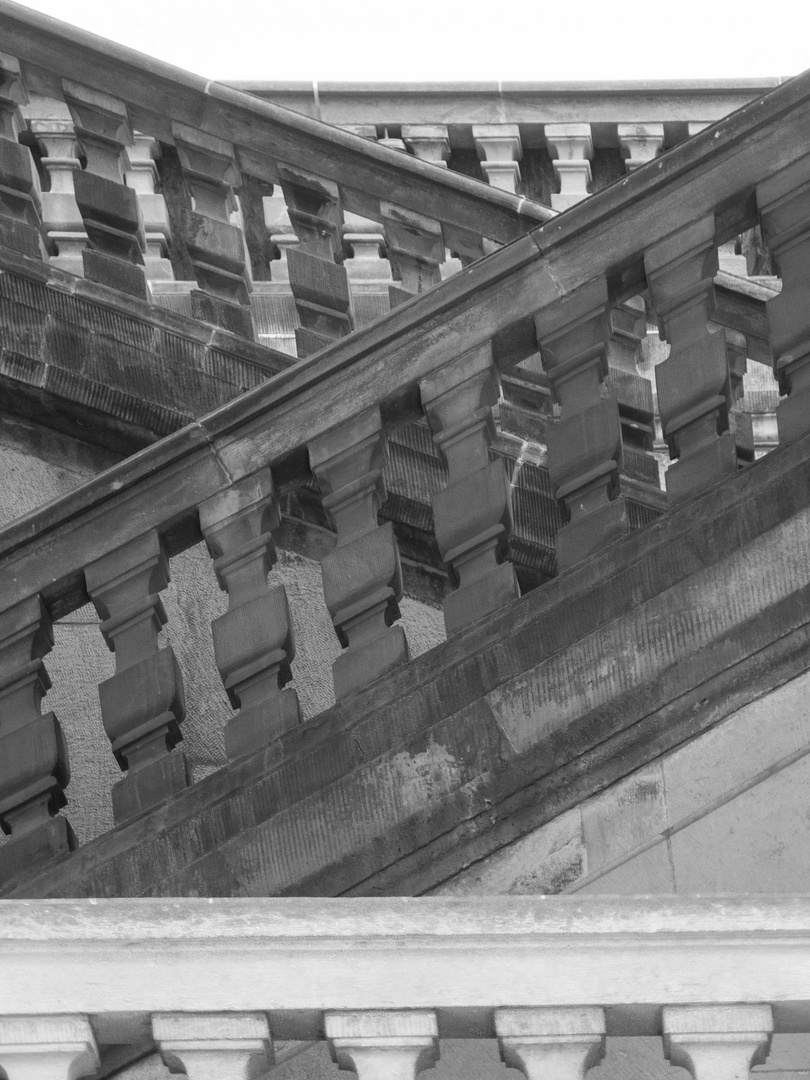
<point x="568" y="290"/>
<point x="221" y="140"/>
<point x="213" y="985"/>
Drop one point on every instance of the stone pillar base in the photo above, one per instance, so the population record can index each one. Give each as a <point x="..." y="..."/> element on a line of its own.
<point x="480" y="597"/>
<point x="117" y="273"/>
<point x="253" y="729"/>
<point x="691" y="475"/>
<point x="36" y="849"/>
<point x="591" y="533"/>
<point x="356" y="668"/>
<point x="150" y="785"/>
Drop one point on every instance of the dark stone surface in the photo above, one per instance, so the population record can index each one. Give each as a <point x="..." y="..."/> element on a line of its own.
<point x="327" y="808"/>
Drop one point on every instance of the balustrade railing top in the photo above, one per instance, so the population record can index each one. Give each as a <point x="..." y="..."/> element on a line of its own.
<point x="294" y="959"/>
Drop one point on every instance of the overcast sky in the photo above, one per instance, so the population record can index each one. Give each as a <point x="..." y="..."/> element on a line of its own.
<point x="450" y="39"/>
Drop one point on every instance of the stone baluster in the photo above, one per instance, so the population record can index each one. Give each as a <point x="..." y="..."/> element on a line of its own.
<point x="216" y="247"/>
<point x="571" y="148"/>
<point x="415" y="248"/>
<point x="383" y="1045"/>
<point x="428" y="142"/>
<point x="362" y="577"/>
<point x="109" y="209"/>
<point x="33" y="758"/>
<point x="60" y="212"/>
<point x="499" y="150"/>
<point x="142" y="177"/>
<point x="142" y="704"/>
<point x="694" y="395"/>
<point x="20" y="203"/>
<point x="784" y="206"/>
<point x="640" y="143"/>
<point x="318" y="280"/>
<point x="364" y="240"/>
<point x="47" y="1047"/>
<point x="740" y="422"/>
<point x="551" y="1043"/>
<point x="472" y="516"/>
<point x="585" y="446"/>
<point x="253" y="641"/>
<point x="214" y="1046"/>
<point x="717" y="1042"/>
<point x="632" y="390"/>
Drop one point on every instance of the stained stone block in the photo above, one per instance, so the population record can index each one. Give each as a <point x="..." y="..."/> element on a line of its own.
<point x="37" y="847"/>
<point x="150" y="785"/>
<point x="235" y="318"/>
<point x="115" y="272"/>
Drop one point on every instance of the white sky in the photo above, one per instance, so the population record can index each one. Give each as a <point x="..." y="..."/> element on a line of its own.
<point x="455" y="39"/>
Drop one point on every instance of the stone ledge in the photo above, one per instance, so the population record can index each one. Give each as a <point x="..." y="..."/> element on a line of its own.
<point x="463" y="749"/>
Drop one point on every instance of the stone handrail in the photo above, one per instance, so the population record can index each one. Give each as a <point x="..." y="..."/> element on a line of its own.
<point x="564" y="288"/>
<point x="214" y="984"/>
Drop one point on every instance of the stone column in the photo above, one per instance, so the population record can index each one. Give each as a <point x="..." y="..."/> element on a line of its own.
<point x="585" y="445"/>
<point x="216" y="247"/>
<point x="20" y="203"/>
<point x="214" y="1046"/>
<point x="47" y="1047"/>
<point x="717" y="1042"/>
<point x="551" y="1043"/>
<point x="571" y="148"/>
<point x="60" y="212"/>
<point x="253" y="642"/>
<point x="694" y="395"/>
<point x="784" y="206"/>
<point x="109" y="209"/>
<point x="318" y="280"/>
<point x="362" y="578"/>
<point x="142" y="177"/>
<point x="640" y="143"/>
<point x="499" y="150"/>
<point x="384" y="1045"/>
<point x="473" y="515"/>
<point x="415" y="248"/>
<point x="34" y="766"/>
<point x="740" y="423"/>
<point x="142" y="705"/>
<point x="428" y="142"/>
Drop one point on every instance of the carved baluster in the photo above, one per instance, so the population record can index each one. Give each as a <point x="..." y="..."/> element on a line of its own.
<point x="551" y="1043"/>
<point x="47" y="1047"/>
<point x="571" y="148"/>
<point x="383" y="1045"/>
<point x="784" y="205"/>
<point x="640" y="143"/>
<point x="415" y="249"/>
<point x="142" y="705"/>
<point x="20" y="203"/>
<point x="215" y="246"/>
<point x="33" y="758"/>
<point x="253" y="641"/>
<point x="60" y="213"/>
<point x="499" y="150"/>
<point x="473" y="515"/>
<point x="362" y="578"/>
<point x="585" y="446"/>
<point x="319" y="284"/>
<point x="109" y="209"/>
<point x="694" y="395"/>
<point x="142" y="177"/>
<point x="632" y="390"/>
<point x="717" y="1042"/>
<point x="214" y="1046"/>
<point x="740" y="422"/>
<point x="428" y="142"/>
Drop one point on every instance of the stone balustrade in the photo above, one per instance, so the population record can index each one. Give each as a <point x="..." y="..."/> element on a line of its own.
<point x="213" y="986"/>
<point x="561" y="301"/>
